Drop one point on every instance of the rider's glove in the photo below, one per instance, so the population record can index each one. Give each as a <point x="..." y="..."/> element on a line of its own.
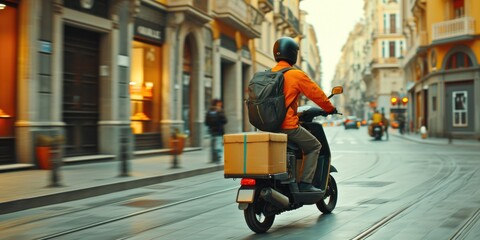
<point x="334" y="111"/>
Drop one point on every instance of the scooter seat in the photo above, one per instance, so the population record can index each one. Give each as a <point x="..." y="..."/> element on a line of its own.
<point x="292" y="146"/>
<point x="295" y="149"/>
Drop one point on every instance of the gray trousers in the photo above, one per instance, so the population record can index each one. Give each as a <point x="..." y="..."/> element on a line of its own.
<point x="310" y="147"/>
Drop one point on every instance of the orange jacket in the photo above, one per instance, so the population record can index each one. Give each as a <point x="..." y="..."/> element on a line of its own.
<point x="296" y="82"/>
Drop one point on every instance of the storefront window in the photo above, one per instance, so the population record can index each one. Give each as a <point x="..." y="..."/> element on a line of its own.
<point x="144" y="79"/>
<point x="8" y="64"/>
<point x="460" y="110"/>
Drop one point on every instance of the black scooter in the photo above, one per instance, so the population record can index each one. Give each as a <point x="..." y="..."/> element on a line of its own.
<point x="263" y="197"/>
<point x="377" y="131"/>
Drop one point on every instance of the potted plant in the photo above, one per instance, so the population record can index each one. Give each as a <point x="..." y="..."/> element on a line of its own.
<point x="177" y="142"/>
<point x="43" y="149"/>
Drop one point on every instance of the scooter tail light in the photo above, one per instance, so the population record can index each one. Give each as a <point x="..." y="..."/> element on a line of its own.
<point x="247" y="182"/>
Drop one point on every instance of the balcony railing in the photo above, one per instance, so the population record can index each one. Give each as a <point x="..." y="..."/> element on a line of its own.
<point x="239" y="14"/>
<point x="265" y="5"/>
<point x="198" y="9"/>
<point x="453" y="28"/>
<point x="286" y="20"/>
<point x="385" y="62"/>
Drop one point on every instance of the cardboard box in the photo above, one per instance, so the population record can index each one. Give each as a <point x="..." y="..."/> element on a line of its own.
<point x="255" y="153"/>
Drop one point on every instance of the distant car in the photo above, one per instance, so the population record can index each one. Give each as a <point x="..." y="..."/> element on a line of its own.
<point x="351" y="122"/>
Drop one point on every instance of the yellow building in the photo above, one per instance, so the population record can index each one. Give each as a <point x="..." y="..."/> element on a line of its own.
<point x="117" y="78"/>
<point x="442" y="66"/>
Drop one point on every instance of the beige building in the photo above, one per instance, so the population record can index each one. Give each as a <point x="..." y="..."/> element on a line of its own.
<point x="310" y="59"/>
<point x="369" y="68"/>
<point x="385" y="45"/>
<point x="349" y="72"/>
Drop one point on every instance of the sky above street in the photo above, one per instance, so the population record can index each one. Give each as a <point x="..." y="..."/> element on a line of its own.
<point x="333" y="20"/>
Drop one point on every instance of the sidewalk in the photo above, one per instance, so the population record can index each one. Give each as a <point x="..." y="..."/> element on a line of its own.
<point x="417" y="137"/>
<point x="20" y="190"/>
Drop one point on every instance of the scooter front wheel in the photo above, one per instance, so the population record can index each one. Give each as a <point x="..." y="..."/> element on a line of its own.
<point x="329" y="201"/>
<point x="255" y="218"/>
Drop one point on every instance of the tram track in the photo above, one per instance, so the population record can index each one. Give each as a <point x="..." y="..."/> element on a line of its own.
<point x="440" y="180"/>
<point x="131" y="215"/>
<point x="149" y="210"/>
<point x="465" y="229"/>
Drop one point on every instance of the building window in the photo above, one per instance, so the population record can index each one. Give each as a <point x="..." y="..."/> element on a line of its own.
<point x="391" y="49"/>
<point x="459" y="8"/>
<point x="384" y="54"/>
<point x="460" y="111"/>
<point x="434" y="103"/>
<point x="393" y="23"/>
<point x="459" y="60"/>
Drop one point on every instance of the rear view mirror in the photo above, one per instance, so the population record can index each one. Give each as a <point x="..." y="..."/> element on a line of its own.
<point x="337" y="90"/>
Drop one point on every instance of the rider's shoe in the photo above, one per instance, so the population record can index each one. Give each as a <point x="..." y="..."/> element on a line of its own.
<point x="308" y="187"/>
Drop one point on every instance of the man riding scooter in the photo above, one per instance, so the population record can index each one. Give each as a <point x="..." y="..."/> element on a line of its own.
<point x="376" y="129"/>
<point x="285" y="51"/>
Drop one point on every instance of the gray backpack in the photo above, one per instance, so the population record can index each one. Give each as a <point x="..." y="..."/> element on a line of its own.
<point x="266" y="101"/>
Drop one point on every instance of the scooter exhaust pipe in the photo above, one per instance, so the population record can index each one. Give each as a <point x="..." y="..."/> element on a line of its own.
<point x="274" y="197"/>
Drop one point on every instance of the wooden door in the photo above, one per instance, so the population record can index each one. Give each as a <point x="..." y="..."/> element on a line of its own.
<point x="81" y="91"/>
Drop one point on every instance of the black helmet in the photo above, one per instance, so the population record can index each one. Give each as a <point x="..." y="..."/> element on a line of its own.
<point x="285" y="48"/>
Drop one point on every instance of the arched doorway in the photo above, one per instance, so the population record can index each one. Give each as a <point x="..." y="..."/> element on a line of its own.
<point x="187" y="73"/>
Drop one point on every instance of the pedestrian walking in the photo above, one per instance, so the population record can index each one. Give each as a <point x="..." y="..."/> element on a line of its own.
<point x="386" y="123"/>
<point x="401" y="123"/>
<point x="215" y="120"/>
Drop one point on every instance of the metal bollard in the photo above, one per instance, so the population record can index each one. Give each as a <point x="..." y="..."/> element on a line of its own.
<point x="55" y="176"/>
<point x="175" y="148"/>
<point x="124" y="157"/>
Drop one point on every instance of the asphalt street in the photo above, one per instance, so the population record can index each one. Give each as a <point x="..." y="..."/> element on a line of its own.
<point x="395" y="189"/>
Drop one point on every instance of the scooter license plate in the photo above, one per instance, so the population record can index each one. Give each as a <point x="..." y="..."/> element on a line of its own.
<point x="245" y="195"/>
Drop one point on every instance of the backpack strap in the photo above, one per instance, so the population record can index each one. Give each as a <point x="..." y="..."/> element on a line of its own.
<point x="283" y="71"/>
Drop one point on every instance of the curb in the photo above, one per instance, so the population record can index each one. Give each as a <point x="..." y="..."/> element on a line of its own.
<point x="441" y="141"/>
<point x="44" y="200"/>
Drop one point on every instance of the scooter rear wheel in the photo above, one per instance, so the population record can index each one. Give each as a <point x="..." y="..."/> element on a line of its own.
<point x="329" y="201"/>
<point x="255" y="218"/>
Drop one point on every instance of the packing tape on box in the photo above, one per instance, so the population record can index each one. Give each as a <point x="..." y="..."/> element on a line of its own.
<point x="244" y="153"/>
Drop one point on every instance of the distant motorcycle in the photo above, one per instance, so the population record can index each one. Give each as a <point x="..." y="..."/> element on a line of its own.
<point x="261" y="197"/>
<point x="376" y="130"/>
